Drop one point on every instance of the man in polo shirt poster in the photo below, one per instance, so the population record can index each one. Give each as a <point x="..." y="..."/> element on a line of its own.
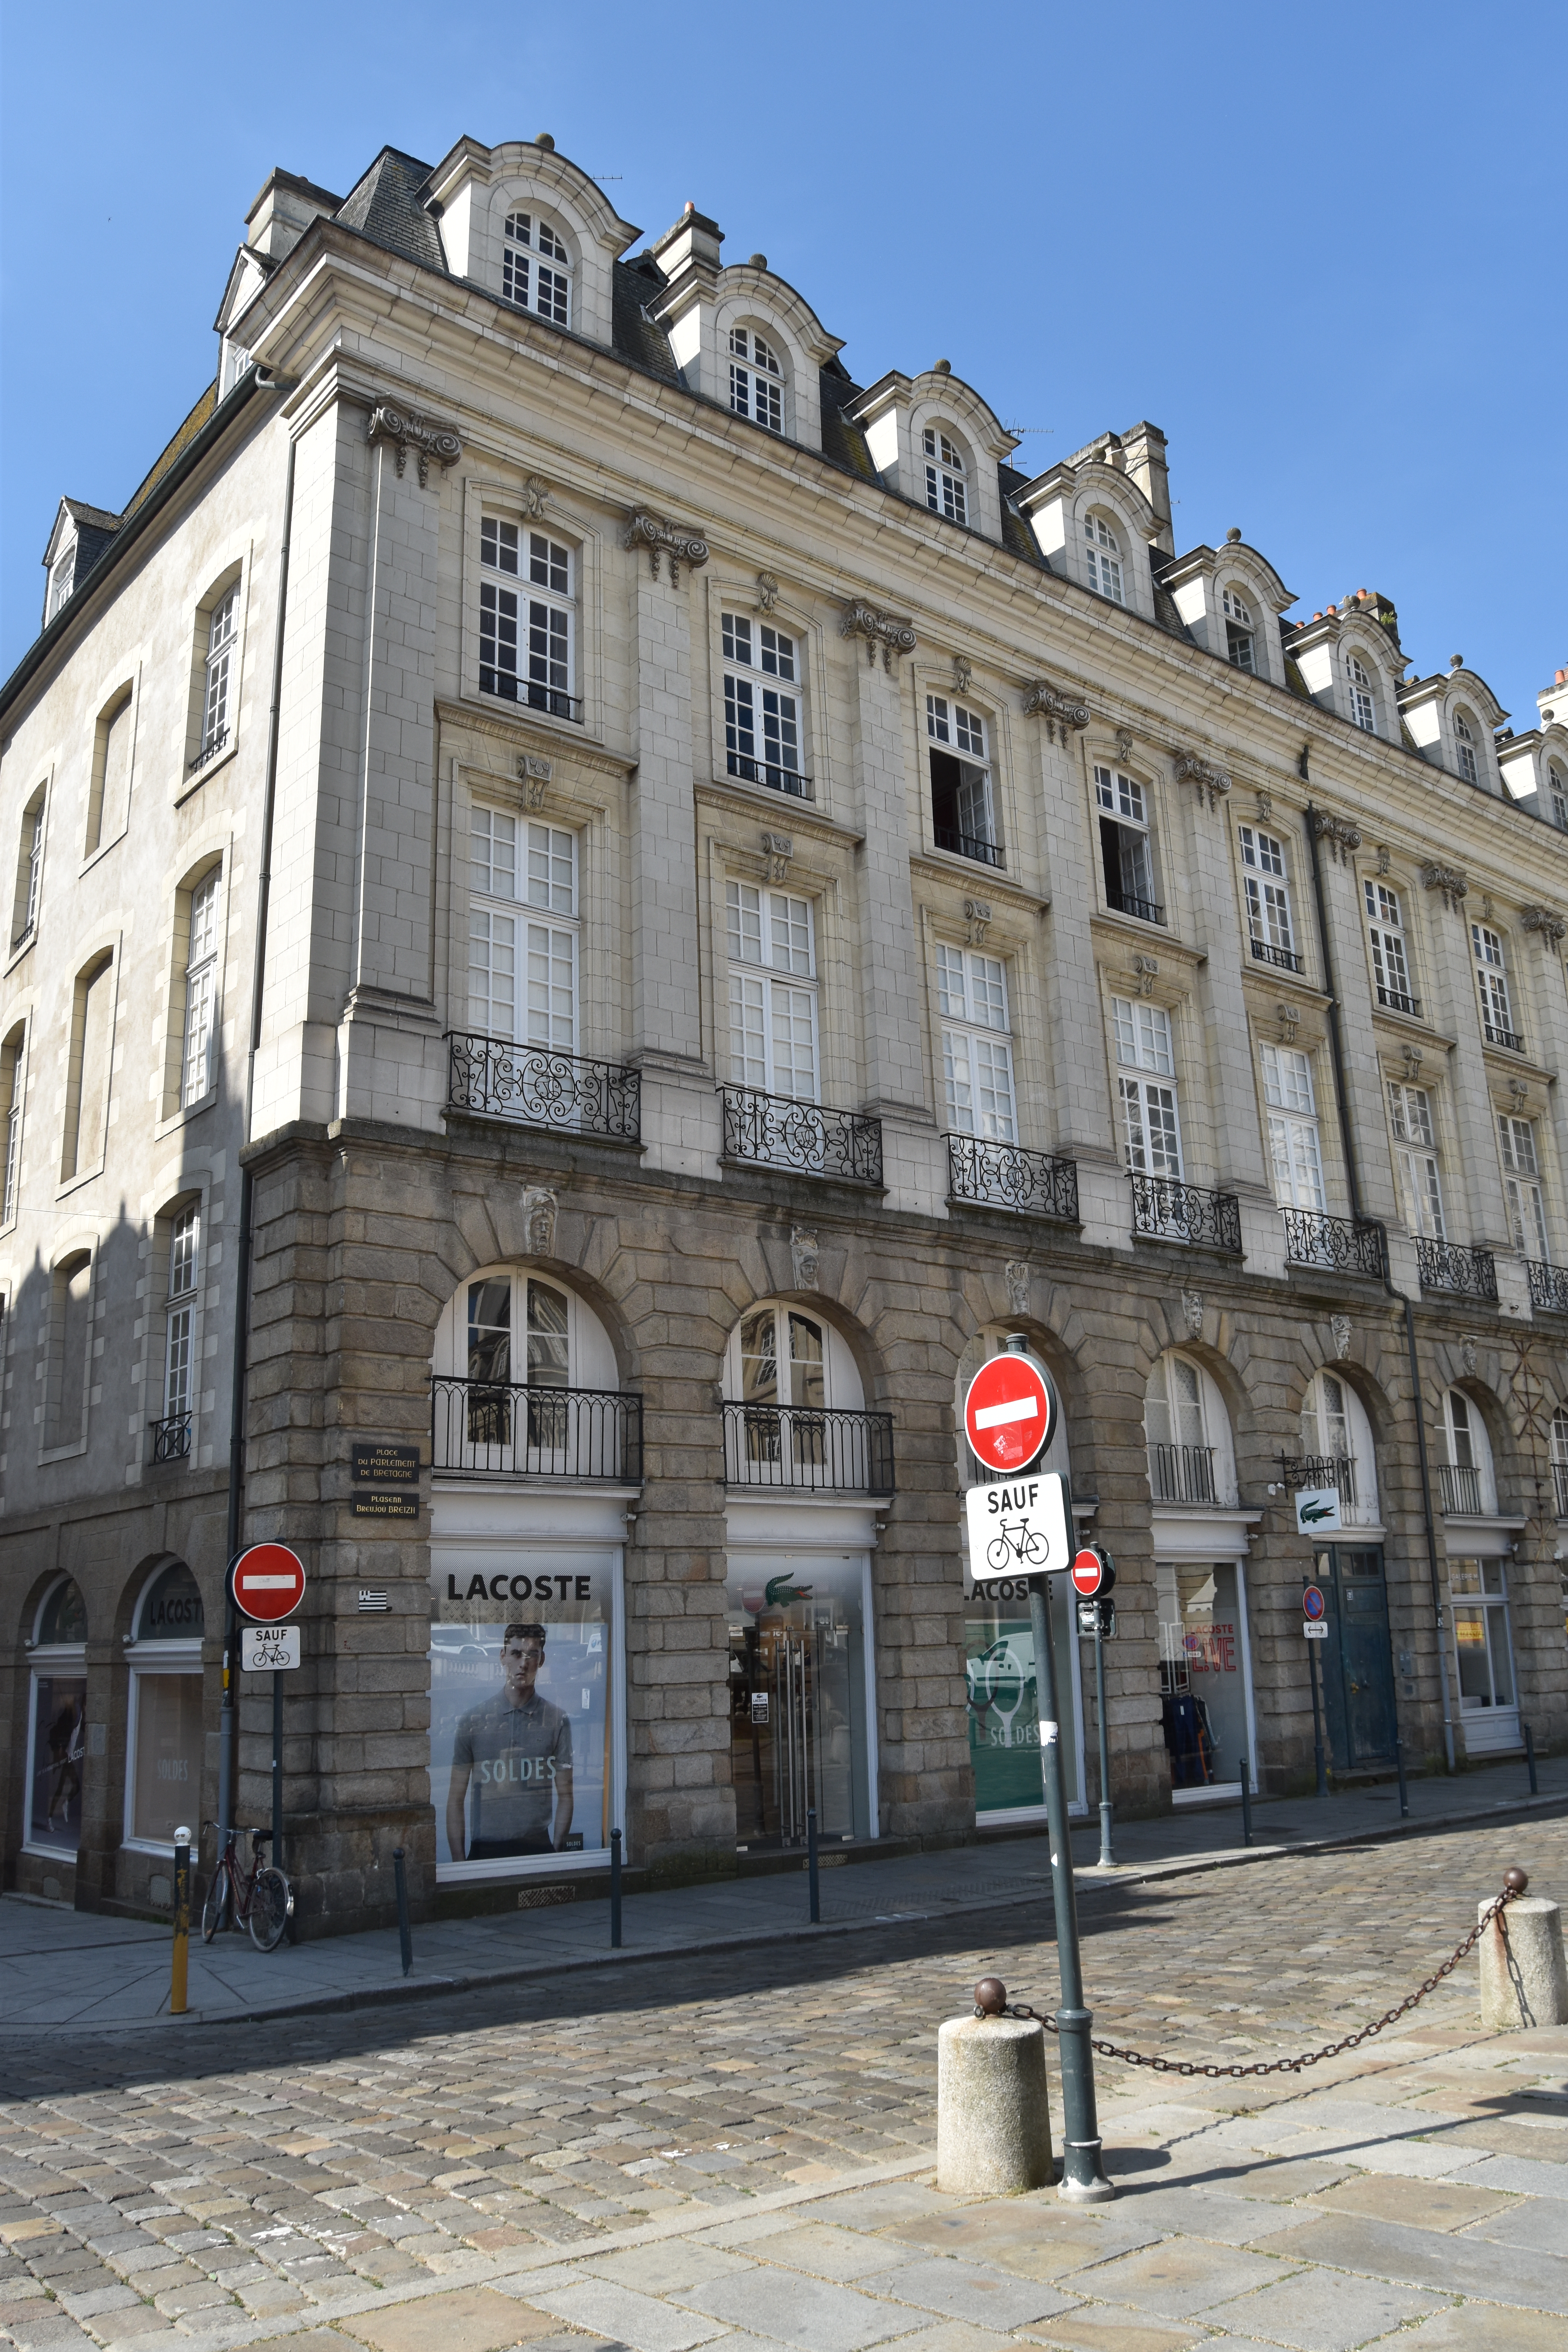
<point x="514" y="1751"/>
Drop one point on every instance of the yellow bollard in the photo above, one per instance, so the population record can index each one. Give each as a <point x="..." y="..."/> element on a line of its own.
<point x="182" y="1922"/>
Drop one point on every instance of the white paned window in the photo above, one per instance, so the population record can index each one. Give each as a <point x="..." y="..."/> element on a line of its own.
<point x="526" y="632"/>
<point x="536" y="269"/>
<point x="976" y="1053"/>
<point x="773" y="991"/>
<point x="1104" y="551"/>
<point x="1465" y="749"/>
<point x="1126" y="851"/>
<point x="30" y="881"/>
<point x="1363" y="709"/>
<point x="12" y="1084"/>
<point x="62" y="577"/>
<point x="1267" y="898"/>
<point x="1521" y="1188"/>
<point x="201" y="990"/>
<point x="756" y="379"/>
<point x="762" y="705"/>
<point x="222" y="633"/>
<point x="1415" y="1158"/>
<point x="963" y="806"/>
<point x="1557" y="784"/>
<point x="1385" y="936"/>
<point x="945" y="491"/>
<point x="184" y="1255"/>
<point x="1238" y="626"/>
<point x="1293" y="1143"/>
<point x="1491" y="979"/>
<point x="1151" y="1128"/>
<point x="522" y="931"/>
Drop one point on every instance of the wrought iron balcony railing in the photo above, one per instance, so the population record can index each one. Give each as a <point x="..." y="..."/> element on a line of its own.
<point x="782" y="1132"/>
<point x="1283" y="959"/>
<point x="1126" y="902"/>
<point x="1005" y="1176"/>
<point x="542" y="1088"/>
<point x="1548" y="1285"/>
<point x="172" y="1438"/>
<point x="1172" y="1211"/>
<point x="1181" y="1473"/>
<point x="968" y="844"/>
<point x="502" y="1428"/>
<point x="1559" y="1487"/>
<point x="1336" y="1470"/>
<point x="209" y="749"/>
<point x="1509" y="1037"/>
<point x="765" y="772"/>
<point x="1448" y="1265"/>
<point x="1347" y="1244"/>
<point x="1459" y="1489"/>
<point x="813" y="1446"/>
<point x="1398" y="999"/>
<point x="532" y="691"/>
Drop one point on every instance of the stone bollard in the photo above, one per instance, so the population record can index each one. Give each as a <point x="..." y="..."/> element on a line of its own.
<point x="1524" y="1981"/>
<point x="993" y="2116"/>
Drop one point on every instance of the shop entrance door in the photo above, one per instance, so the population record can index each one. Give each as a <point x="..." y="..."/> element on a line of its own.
<point x="796" y="1706"/>
<point x="1357" y="1668"/>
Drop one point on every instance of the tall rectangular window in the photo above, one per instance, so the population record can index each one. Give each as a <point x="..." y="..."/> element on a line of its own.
<point x="963" y="804"/>
<point x="12" y="1081"/>
<point x="87" y="1071"/>
<point x="216" y="690"/>
<point x="772" y="991"/>
<point x="1293" y="1127"/>
<point x="761" y="706"/>
<point x="71" y="1309"/>
<point x="179" y="1337"/>
<point x="1273" y="940"/>
<point x="1126" y="851"/>
<point x="1491" y="980"/>
<point x="29" y="870"/>
<point x="1415" y="1159"/>
<point x="201" y="990"/>
<point x="1151" y="1127"/>
<point x="1521" y="1188"/>
<point x="976" y="1052"/>
<point x="522" y="931"/>
<point x="1385" y="937"/>
<point x="526" y="652"/>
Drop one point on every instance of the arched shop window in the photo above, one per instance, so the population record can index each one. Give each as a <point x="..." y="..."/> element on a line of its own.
<point x="163" y="1722"/>
<point x="57" y="1724"/>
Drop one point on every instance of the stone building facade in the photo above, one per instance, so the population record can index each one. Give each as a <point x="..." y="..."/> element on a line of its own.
<point x="603" y="911"/>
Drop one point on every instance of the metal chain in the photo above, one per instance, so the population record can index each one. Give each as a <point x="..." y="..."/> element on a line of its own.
<point x="1283" y="2066"/>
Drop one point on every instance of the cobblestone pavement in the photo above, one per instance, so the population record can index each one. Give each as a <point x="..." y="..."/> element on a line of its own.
<point x="738" y="2150"/>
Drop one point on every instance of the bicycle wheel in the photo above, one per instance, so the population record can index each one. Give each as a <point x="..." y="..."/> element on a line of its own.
<point x="271" y="1908"/>
<point x="999" y="1553"/>
<point x="215" y="1910"/>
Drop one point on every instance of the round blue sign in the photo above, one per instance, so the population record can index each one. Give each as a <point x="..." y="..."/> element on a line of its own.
<point x="1313" y="1605"/>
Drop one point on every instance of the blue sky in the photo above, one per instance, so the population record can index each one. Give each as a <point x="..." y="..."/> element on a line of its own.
<point x="1322" y="248"/>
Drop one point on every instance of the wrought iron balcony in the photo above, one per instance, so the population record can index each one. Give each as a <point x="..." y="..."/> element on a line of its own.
<point x="782" y="1132"/>
<point x="209" y="749"/>
<point x="501" y="1429"/>
<point x="1336" y="1470"/>
<point x="1125" y="902"/>
<point x="1005" y="1176"/>
<point x="1509" y="1037"/>
<point x="1548" y="1285"/>
<point x="1446" y="1265"/>
<point x="1399" y="1000"/>
<point x="828" y="1450"/>
<point x="1282" y="959"/>
<point x="1559" y="1487"/>
<point x="532" y="691"/>
<point x="1181" y="1473"/>
<point x="765" y="772"/>
<point x="1347" y="1244"/>
<point x="1170" y="1212"/>
<point x="172" y="1438"/>
<point x="1459" y="1487"/>
<point x="968" y="844"/>
<point x="542" y="1088"/>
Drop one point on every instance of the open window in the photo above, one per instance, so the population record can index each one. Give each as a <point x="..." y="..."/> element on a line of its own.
<point x="962" y="795"/>
<point x="1126" y="845"/>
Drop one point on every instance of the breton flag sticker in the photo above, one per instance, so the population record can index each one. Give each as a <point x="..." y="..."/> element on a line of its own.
<point x="1007" y="1413"/>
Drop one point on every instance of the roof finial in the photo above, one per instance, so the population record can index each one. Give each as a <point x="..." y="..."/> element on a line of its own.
<point x="943" y="367"/>
<point x="1233" y="536"/>
<point x="1456" y="661"/>
<point x="545" y="141"/>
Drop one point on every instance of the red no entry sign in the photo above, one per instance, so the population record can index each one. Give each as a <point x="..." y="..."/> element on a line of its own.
<point x="1091" y="1573"/>
<point x="1007" y="1413"/>
<point x="269" y="1582"/>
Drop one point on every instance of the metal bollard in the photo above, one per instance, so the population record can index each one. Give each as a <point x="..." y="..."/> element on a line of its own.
<point x="812" y="1882"/>
<point x="405" y="1932"/>
<point x="615" y="1890"/>
<point x="1404" y="1792"/>
<point x="180" y="1964"/>
<point x="1245" y="1806"/>
<point x="1530" y="1758"/>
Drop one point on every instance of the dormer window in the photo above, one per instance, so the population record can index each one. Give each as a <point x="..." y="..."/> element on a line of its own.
<point x="945" y="491"/>
<point x="536" y="269"/>
<point x="1363" y="709"/>
<point x="1104" y="551"/>
<point x="1465" y="749"/>
<point x="1238" y="645"/>
<point x="1557" y="784"/>
<point x="756" y="379"/>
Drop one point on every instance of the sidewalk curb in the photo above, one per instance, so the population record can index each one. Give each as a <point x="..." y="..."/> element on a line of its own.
<point x="1087" y="1879"/>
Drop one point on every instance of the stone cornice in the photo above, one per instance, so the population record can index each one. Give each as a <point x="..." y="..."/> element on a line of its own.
<point x="406" y="431"/>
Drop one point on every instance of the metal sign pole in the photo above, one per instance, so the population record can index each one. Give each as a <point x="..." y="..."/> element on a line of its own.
<point x="277" y="1768"/>
<point x="1106" y="1857"/>
<point x="1083" y="2180"/>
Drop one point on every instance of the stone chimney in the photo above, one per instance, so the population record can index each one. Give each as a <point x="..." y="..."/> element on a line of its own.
<point x="1143" y="450"/>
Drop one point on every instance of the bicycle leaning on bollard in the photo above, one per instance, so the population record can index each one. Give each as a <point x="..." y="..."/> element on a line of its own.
<point x="260" y="1898"/>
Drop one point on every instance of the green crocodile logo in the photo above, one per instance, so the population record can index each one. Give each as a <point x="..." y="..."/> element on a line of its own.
<point x="1313" y="1514"/>
<point x="778" y="1592"/>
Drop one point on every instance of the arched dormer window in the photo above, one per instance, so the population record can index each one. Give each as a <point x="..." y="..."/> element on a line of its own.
<point x="1104" y="551"/>
<point x="1557" y="794"/>
<point x="1465" y="749"/>
<point x="1364" y="708"/>
<point x="536" y="269"/>
<point x="946" y="491"/>
<point x="1239" y="646"/>
<point x="756" y="379"/>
